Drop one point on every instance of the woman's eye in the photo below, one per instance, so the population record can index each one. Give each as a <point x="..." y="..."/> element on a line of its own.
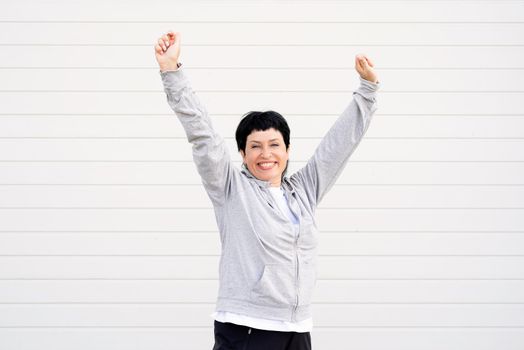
<point x="254" y="146"/>
<point x="275" y="145"/>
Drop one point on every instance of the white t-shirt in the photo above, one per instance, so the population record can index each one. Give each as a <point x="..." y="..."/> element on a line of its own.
<point x="262" y="323"/>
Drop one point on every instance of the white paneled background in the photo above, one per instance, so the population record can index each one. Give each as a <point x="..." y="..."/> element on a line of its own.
<point x="108" y="241"/>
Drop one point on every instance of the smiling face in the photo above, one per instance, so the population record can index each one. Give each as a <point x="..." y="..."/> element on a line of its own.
<point x="266" y="155"/>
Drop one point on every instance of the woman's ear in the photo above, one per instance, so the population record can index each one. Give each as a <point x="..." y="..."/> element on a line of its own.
<point x="242" y="154"/>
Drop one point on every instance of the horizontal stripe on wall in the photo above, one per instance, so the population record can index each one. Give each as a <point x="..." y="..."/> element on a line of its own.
<point x="196" y="197"/>
<point x="302" y="150"/>
<point x="285" y="33"/>
<point x="198" y="315"/>
<point x="252" y="56"/>
<point x="149" y="244"/>
<point x="162" y="173"/>
<point x="303" y="126"/>
<point x="206" y="267"/>
<point x="170" y="12"/>
<point x="131" y="103"/>
<point x="320" y="80"/>
<point x="205" y="291"/>
<point x="347" y="220"/>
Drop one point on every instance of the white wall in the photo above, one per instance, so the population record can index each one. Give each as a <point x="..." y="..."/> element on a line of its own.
<point x="108" y="241"/>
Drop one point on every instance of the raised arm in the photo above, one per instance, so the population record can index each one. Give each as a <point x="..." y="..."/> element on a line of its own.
<point x="210" y="152"/>
<point x="333" y="152"/>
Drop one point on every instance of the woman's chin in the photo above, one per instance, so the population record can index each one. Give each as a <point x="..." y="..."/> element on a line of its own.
<point x="265" y="176"/>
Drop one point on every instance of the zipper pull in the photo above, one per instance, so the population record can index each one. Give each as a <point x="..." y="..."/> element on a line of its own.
<point x="249" y="331"/>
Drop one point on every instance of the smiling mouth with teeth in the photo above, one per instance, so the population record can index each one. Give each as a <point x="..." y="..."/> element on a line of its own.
<point x="267" y="165"/>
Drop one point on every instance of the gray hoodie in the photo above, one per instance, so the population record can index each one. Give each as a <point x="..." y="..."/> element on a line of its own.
<point x="267" y="268"/>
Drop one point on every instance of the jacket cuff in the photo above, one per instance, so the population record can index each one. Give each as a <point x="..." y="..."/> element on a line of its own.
<point x="367" y="88"/>
<point x="174" y="80"/>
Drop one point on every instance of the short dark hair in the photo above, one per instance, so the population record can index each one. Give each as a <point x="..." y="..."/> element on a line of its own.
<point x="261" y="121"/>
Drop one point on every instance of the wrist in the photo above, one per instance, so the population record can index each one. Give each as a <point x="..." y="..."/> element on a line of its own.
<point x="371" y="79"/>
<point x="170" y="66"/>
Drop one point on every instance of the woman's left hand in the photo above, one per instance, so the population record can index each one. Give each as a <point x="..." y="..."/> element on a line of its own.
<point x="364" y="67"/>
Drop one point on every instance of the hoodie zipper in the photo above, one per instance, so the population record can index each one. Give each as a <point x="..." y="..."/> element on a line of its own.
<point x="297" y="263"/>
<point x="296" y="280"/>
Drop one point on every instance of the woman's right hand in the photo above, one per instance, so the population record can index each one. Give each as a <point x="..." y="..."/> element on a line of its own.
<point x="167" y="50"/>
<point x="364" y="67"/>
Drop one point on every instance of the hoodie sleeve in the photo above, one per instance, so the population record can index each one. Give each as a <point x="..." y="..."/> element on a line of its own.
<point x="330" y="157"/>
<point x="210" y="152"/>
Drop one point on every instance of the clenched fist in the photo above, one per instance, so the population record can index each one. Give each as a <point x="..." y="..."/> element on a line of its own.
<point x="167" y="50"/>
<point x="364" y="67"/>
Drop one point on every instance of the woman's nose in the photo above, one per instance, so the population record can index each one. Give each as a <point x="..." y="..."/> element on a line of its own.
<point x="266" y="153"/>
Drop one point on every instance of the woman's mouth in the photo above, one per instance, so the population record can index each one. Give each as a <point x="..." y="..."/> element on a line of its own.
<point x="266" y="165"/>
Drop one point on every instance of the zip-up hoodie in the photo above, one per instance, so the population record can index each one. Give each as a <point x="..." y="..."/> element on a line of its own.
<point x="267" y="268"/>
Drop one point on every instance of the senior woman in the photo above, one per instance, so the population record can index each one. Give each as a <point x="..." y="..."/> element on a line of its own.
<point x="265" y="219"/>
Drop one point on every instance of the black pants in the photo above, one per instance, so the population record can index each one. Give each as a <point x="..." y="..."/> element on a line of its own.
<point x="229" y="336"/>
